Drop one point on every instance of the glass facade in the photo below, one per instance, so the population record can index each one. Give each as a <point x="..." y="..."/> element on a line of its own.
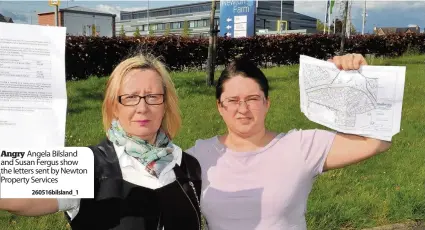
<point x="177" y="25"/>
<point x="167" y="11"/>
<point x="173" y="18"/>
<point x="191" y="9"/>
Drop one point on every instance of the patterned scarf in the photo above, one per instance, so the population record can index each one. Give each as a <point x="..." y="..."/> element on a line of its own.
<point x="154" y="157"/>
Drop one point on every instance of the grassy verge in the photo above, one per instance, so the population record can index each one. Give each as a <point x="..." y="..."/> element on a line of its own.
<point x="386" y="189"/>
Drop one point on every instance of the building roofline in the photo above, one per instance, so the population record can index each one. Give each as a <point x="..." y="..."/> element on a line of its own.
<point x="307" y="17"/>
<point x="44" y="13"/>
<point x="167" y="7"/>
<point x="91" y="12"/>
<point x="402" y="27"/>
<point x="79" y="11"/>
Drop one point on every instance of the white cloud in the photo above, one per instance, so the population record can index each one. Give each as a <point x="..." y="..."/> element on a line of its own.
<point x="383" y="5"/>
<point x="116" y="9"/>
<point x="316" y="8"/>
<point x="311" y="8"/>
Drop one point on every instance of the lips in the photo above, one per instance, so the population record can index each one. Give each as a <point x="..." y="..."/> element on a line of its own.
<point x="244" y="119"/>
<point x="142" y="122"/>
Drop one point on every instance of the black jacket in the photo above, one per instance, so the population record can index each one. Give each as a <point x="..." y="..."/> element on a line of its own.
<point x="119" y="204"/>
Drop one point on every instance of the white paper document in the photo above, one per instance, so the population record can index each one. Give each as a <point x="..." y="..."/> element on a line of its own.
<point x="367" y="102"/>
<point x="32" y="86"/>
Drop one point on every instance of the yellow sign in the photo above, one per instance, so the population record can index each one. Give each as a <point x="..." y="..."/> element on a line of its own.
<point x="54" y="2"/>
<point x="282" y="24"/>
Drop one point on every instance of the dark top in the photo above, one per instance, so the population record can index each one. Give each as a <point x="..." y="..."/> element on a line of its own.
<point x="119" y="204"/>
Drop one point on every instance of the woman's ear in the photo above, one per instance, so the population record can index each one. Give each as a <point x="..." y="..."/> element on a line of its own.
<point x="268" y="103"/>
<point x="115" y="111"/>
<point x="219" y="107"/>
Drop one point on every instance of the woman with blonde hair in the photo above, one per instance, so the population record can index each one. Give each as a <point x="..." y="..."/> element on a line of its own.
<point x="142" y="179"/>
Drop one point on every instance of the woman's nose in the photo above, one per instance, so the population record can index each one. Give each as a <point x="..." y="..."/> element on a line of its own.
<point x="243" y="106"/>
<point x="142" y="106"/>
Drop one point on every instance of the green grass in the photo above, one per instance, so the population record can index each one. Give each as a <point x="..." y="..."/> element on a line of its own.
<point x="386" y="189"/>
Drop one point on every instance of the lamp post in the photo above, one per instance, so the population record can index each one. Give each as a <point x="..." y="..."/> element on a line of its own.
<point x="364" y="17"/>
<point x="281" y="16"/>
<point x="31" y="12"/>
<point x="148" y="15"/>
<point x="281" y="11"/>
<point x="56" y="4"/>
<point x="326" y="17"/>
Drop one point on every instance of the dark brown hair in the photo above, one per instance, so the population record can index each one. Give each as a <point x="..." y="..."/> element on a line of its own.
<point x="245" y="68"/>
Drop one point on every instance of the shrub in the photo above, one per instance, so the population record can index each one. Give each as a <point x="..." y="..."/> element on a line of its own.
<point x="88" y="56"/>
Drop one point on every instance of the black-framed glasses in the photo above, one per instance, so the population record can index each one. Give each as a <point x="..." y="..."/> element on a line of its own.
<point x="150" y="99"/>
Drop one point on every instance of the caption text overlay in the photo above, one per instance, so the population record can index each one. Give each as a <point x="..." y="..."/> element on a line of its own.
<point x="47" y="173"/>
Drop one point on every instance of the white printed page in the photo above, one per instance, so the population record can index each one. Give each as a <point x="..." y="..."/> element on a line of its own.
<point x="366" y="102"/>
<point x="34" y="162"/>
<point x="32" y="85"/>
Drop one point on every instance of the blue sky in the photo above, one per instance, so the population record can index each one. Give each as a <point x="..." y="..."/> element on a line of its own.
<point x="379" y="13"/>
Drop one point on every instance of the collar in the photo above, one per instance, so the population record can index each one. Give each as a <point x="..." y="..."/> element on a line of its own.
<point x="126" y="161"/>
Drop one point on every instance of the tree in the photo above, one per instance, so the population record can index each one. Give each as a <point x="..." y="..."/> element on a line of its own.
<point x="210" y="63"/>
<point x="320" y="26"/>
<point x="122" y="32"/>
<point x="338" y="28"/>
<point x="137" y="32"/>
<point x="186" y="31"/>
<point x="353" y="29"/>
<point x="341" y="52"/>
<point x="151" y="32"/>
<point x="337" y="25"/>
<point x="93" y="30"/>
<point x="167" y="29"/>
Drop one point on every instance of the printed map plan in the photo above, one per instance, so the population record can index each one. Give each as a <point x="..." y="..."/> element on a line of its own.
<point x="366" y="102"/>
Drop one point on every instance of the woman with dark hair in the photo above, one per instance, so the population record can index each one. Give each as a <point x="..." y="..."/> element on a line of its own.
<point x="253" y="178"/>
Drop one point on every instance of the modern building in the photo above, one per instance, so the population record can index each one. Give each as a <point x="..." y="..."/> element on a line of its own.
<point x="172" y="19"/>
<point x="80" y="21"/>
<point x="5" y="19"/>
<point x="269" y="13"/>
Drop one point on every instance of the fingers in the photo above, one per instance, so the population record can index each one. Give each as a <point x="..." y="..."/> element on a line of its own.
<point x="360" y="60"/>
<point x="356" y="61"/>
<point x="349" y="61"/>
<point x="349" y="65"/>
<point x="338" y="62"/>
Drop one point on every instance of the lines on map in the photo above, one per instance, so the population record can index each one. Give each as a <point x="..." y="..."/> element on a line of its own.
<point x="364" y="101"/>
<point x="316" y="76"/>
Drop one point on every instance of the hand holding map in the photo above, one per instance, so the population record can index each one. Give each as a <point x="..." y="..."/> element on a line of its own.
<point x="366" y="102"/>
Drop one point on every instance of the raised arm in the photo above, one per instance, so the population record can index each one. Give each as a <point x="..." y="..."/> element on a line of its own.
<point x="29" y="207"/>
<point x="350" y="149"/>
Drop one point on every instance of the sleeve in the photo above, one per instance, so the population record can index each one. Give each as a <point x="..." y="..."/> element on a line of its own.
<point x="315" y="146"/>
<point x="67" y="204"/>
<point x="191" y="150"/>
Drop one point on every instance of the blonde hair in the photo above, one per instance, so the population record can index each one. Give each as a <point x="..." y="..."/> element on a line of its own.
<point x="171" y="122"/>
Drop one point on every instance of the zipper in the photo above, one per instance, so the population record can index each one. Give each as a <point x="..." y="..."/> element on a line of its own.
<point x="196" y="195"/>
<point x="196" y="212"/>
<point x="158" y="227"/>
